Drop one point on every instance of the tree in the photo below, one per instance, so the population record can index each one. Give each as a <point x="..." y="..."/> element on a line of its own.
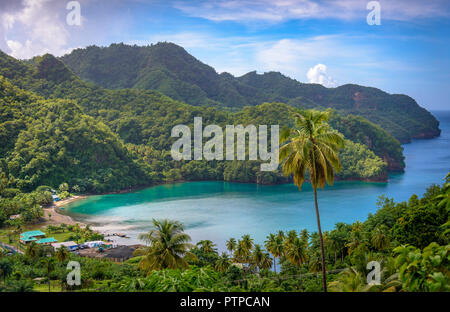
<point x="247" y="242"/>
<point x="63" y="187"/>
<point x="207" y="246"/>
<point x="231" y="245"/>
<point x="49" y="264"/>
<point x="274" y="245"/>
<point x="257" y="256"/>
<point x="168" y="246"/>
<point x="312" y="148"/>
<point x="380" y="238"/>
<point x="223" y="263"/>
<point x="32" y="251"/>
<point x="5" y="269"/>
<point x="296" y="252"/>
<point x="62" y="254"/>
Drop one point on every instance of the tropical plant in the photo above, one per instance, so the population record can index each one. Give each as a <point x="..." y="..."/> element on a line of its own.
<point x="231" y="245"/>
<point x="424" y="270"/>
<point x="168" y="246"/>
<point x="274" y="245"/>
<point x="223" y="263"/>
<point x="296" y="252"/>
<point x="312" y="148"/>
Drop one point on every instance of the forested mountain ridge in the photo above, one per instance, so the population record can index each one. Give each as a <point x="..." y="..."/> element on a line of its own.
<point x="168" y="68"/>
<point x="126" y="111"/>
<point x="46" y="109"/>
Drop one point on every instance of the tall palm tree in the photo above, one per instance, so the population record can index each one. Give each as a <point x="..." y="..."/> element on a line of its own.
<point x="304" y="236"/>
<point x="49" y="264"/>
<point x="266" y="262"/>
<point x="223" y="263"/>
<point x="257" y="256"/>
<point x="62" y="254"/>
<point x="247" y="242"/>
<point x="168" y="246"/>
<point x="32" y="250"/>
<point x="207" y="246"/>
<point x="290" y="238"/>
<point x="274" y="245"/>
<point x="281" y="234"/>
<point x="296" y="252"/>
<point x="380" y="238"/>
<point x="242" y="253"/>
<point x="312" y="148"/>
<point x="231" y="245"/>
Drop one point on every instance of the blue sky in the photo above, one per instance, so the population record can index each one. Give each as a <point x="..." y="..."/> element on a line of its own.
<point x="325" y="41"/>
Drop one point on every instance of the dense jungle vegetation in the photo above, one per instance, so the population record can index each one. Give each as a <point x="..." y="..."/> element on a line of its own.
<point x="57" y="128"/>
<point x="168" y="68"/>
<point x="409" y="262"/>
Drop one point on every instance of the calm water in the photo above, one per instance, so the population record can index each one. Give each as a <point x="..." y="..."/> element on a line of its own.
<point x="220" y="210"/>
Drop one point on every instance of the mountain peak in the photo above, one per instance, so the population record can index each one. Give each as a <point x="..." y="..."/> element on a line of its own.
<point x="52" y="69"/>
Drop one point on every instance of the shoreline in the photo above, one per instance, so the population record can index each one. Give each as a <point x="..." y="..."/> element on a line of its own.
<point x="57" y="217"/>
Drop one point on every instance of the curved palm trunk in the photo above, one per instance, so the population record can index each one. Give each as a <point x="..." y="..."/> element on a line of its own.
<point x="324" y="272"/>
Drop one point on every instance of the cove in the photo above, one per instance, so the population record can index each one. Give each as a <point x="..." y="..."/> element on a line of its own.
<point x="220" y="210"/>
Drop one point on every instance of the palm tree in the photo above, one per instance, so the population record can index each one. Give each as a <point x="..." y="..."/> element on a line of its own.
<point x="380" y="238"/>
<point x="357" y="237"/>
<point x="62" y="254"/>
<point x="257" y="256"/>
<point x="247" y="242"/>
<point x="32" y="250"/>
<point x="281" y="234"/>
<point x="296" y="252"/>
<point x="274" y="244"/>
<point x="231" y="245"/>
<point x="168" y="246"/>
<point x="304" y="236"/>
<point x="290" y="238"/>
<point x="223" y="263"/>
<point x="312" y="148"/>
<point x="206" y="246"/>
<point x="49" y="263"/>
<point x="266" y="262"/>
<point x="6" y="269"/>
<point x="241" y="253"/>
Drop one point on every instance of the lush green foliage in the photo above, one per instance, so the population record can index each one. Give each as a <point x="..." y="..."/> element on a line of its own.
<point x="50" y="149"/>
<point x="247" y="266"/>
<point x="168" y="68"/>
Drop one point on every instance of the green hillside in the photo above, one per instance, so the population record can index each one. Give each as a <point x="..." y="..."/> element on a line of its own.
<point x="168" y="68"/>
<point x="57" y="128"/>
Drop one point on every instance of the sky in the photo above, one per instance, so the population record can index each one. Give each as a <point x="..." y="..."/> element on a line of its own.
<point x="319" y="41"/>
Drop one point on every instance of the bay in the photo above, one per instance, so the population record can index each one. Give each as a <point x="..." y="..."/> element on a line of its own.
<point x="220" y="210"/>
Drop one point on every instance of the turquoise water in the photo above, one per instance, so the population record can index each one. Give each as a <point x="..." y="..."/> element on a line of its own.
<point x="220" y="210"/>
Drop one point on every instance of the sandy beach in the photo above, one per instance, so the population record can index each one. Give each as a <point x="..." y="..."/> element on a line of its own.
<point x="58" y="218"/>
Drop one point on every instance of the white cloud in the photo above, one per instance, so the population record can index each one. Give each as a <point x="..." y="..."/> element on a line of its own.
<point x="274" y="11"/>
<point x="34" y="29"/>
<point x="318" y="74"/>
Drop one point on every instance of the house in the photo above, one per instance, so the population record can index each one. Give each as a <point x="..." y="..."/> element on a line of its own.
<point x="94" y="244"/>
<point x="55" y="198"/>
<point x="68" y="245"/>
<point x="46" y="241"/>
<point x="31" y="236"/>
<point x="13" y="217"/>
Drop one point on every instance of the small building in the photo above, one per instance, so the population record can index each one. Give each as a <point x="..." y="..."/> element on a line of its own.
<point x="31" y="236"/>
<point x="46" y="241"/>
<point x="94" y="244"/>
<point x="55" y="197"/>
<point x="68" y="245"/>
<point x="13" y="217"/>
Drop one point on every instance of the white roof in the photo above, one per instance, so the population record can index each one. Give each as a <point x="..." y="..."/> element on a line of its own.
<point x="65" y="244"/>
